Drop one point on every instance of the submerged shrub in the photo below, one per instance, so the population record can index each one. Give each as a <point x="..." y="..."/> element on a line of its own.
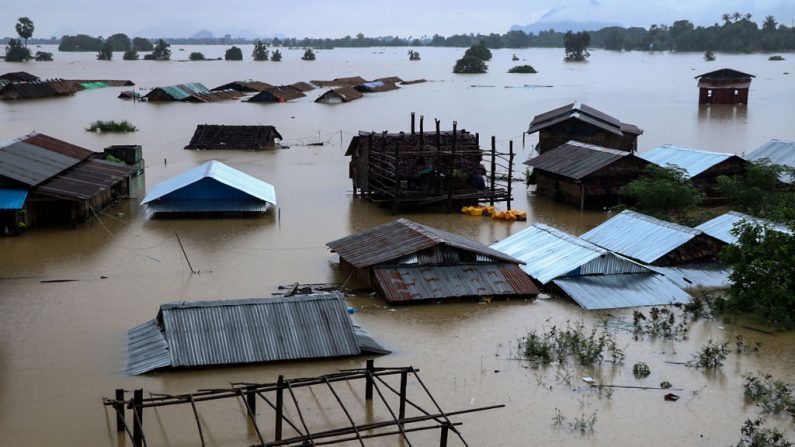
<point x="111" y="126"/>
<point x="710" y="356"/>
<point x="522" y="69"/>
<point x="773" y="396"/>
<point x="641" y="369"/>
<point x="754" y="435"/>
<point x="575" y="341"/>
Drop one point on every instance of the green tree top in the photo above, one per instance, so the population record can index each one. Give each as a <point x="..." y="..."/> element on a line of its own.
<point x="470" y="65"/>
<point x="260" y="52"/>
<point x="162" y="51"/>
<point x="25" y="28"/>
<point x="662" y="192"/>
<point x="233" y="54"/>
<point x="576" y="46"/>
<point x="106" y="52"/>
<point x="479" y="51"/>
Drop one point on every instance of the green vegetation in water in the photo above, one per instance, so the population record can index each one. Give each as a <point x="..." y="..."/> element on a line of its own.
<point x="130" y="55"/>
<point x="665" y="193"/>
<point x="575" y="46"/>
<point x="276" y="56"/>
<point x="776" y="58"/>
<point x="16" y="52"/>
<point x="25" y="29"/>
<point x="710" y="356"/>
<point x="106" y="52"/>
<point x="260" y="52"/>
<point x="514" y="57"/>
<point x="233" y="54"/>
<point x="661" y="322"/>
<point x="196" y="56"/>
<point x="309" y="55"/>
<point x="586" y="347"/>
<point x="640" y="370"/>
<point x="43" y="56"/>
<point x="522" y="69"/>
<point x="112" y="126"/>
<point x="772" y="396"/>
<point x="160" y="52"/>
<point x="760" y="191"/>
<point x="479" y="51"/>
<point x="755" y="435"/>
<point x="709" y="56"/>
<point x="470" y="65"/>
<point x="414" y="55"/>
<point x="583" y="424"/>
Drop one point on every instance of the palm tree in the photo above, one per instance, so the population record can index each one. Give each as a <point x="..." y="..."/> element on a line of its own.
<point x="726" y="17"/>
<point x="737" y="16"/>
<point x="25" y="28"/>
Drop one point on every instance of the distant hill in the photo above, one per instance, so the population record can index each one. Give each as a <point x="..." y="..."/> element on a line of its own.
<point x="562" y="26"/>
<point x="203" y="34"/>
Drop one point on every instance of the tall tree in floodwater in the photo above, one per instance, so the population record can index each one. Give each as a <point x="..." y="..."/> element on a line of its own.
<point x="576" y="46"/>
<point x="25" y="28"/>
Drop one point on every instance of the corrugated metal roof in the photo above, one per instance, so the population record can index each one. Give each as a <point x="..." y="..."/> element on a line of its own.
<point x="585" y="113"/>
<point x="693" y="161"/>
<point x="219" y="172"/>
<point x="721" y="226"/>
<point x="549" y="253"/>
<point x="202" y="333"/>
<point x="344" y="94"/>
<point x="400" y="238"/>
<point x="725" y="73"/>
<point x="208" y="206"/>
<point x="694" y="276"/>
<point x="619" y="291"/>
<point x="34" y="158"/>
<point x="639" y="236"/>
<point x="277" y="94"/>
<point x="86" y="180"/>
<point x="12" y="199"/>
<point x="779" y="152"/>
<point x="416" y="283"/>
<point x="576" y="160"/>
<point x="181" y="91"/>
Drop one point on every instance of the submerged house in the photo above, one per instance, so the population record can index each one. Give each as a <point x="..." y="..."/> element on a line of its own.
<point x="215" y="136"/>
<point x="277" y="94"/>
<point x="724" y="86"/>
<point x="302" y="86"/>
<point x="654" y="241"/>
<point x="405" y="262"/>
<point x="701" y="167"/>
<point x="339" y="95"/>
<point x="212" y="188"/>
<point x="585" y="124"/>
<point x="593" y="277"/>
<point x="584" y="175"/>
<point x="376" y="87"/>
<point x="245" y="86"/>
<point x="19" y="76"/>
<point x="191" y="92"/>
<point x="45" y="180"/>
<point x="350" y="81"/>
<point x="37" y="89"/>
<point x="778" y="152"/>
<point x="721" y="226"/>
<point x="189" y="334"/>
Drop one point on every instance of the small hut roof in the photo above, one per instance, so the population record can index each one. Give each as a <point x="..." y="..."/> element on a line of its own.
<point x="585" y="113"/>
<point x="277" y="94"/>
<point x="215" y="136"/>
<point x="346" y="94"/>
<point x="248" y="85"/>
<point x="725" y="74"/>
<point x="693" y="161"/>
<point x="19" y="76"/>
<point x="302" y="86"/>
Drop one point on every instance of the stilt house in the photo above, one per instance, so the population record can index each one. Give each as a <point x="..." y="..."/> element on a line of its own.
<point x="724" y="86"/>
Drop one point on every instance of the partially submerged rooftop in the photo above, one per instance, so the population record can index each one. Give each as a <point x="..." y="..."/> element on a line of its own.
<point x="721" y="226"/>
<point x="778" y="152"/>
<point x="585" y="113"/>
<point x="576" y="160"/>
<point x="219" y="136"/>
<point x="693" y="161"/>
<point x="208" y="333"/>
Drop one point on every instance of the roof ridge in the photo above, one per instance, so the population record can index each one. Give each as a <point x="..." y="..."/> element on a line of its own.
<point x="421" y="229"/>
<point x="596" y="147"/>
<point x="562" y="235"/>
<point x="660" y="222"/>
<point x="690" y="149"/>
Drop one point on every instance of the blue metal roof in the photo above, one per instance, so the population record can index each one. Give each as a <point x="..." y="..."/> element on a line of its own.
<point x="210" y="186"/>
<point x="721" y="226"/>
<point x="549" y="253"/>
<point x="779" y="152"/>
<point x="204" y="333"/>
<point x="12" y="199"/>
<point x="693" y="161"/>
<point x="639" y="236"/>
<point x="618" y="291"/>
<point x="694" y="276"/>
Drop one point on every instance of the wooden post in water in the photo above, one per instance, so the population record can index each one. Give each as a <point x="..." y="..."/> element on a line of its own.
<point x="523" y="135"/>
<point x="397" y="178"/>
<point x="251" y="398"/>
<point x="369" y="154"/>
<point x="438" y="136"/>
<point x="412" y="123"/>
<point x="510" y="172"/>
<point x="403" y="381"/>
<point x="119" y="407"/>
<point x="138" y="418"/>
<point x="279" y="408"/>
<point x="443" y="438"/>
<point x="368" y="381"/>
<point x="493" y="167"/>
<point x="450" y="170"/>
<point x="422" y="132"/>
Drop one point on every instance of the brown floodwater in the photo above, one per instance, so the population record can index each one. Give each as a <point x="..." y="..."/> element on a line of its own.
<point x="62" y="344"/>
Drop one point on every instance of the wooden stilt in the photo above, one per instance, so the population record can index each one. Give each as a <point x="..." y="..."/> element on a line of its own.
<point x="138" y="418"/>
<point x="403" y="381"/>
<point x="279" y="408"/>
<point x="443" y="437"/>
<point x="368" y="381"/>
<point x="251" y="397"/>
<point x="493" y="167"/>
<point x="119" y="410"/>
<point x="510" y="172"/>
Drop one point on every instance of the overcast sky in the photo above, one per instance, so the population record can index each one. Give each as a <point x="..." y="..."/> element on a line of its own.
<point x="324" y="18"/>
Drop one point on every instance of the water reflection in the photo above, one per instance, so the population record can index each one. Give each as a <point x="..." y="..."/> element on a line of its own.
<point x="723" y="112"/>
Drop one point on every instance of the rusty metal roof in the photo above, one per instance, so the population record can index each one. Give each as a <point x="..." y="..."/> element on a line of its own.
<point x="248" y="85"/>
<point x="283" y="93"/>
<point x="725" y="73"/>
<point x="576" y="160"/>
<point x="219" y="136"/>
<point x="302" y="86"/>
<point x="400" y="238"/>
<point x="344" y="94"/>
<point x="435" y="282"/>
<point x="19" y="76"/>
<point x="86" y="180"/>
<point x="203" y="333"/>
<point x="585" y="113"/>
<point x="619" y="291"/>
<point x="35" y="158"/>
